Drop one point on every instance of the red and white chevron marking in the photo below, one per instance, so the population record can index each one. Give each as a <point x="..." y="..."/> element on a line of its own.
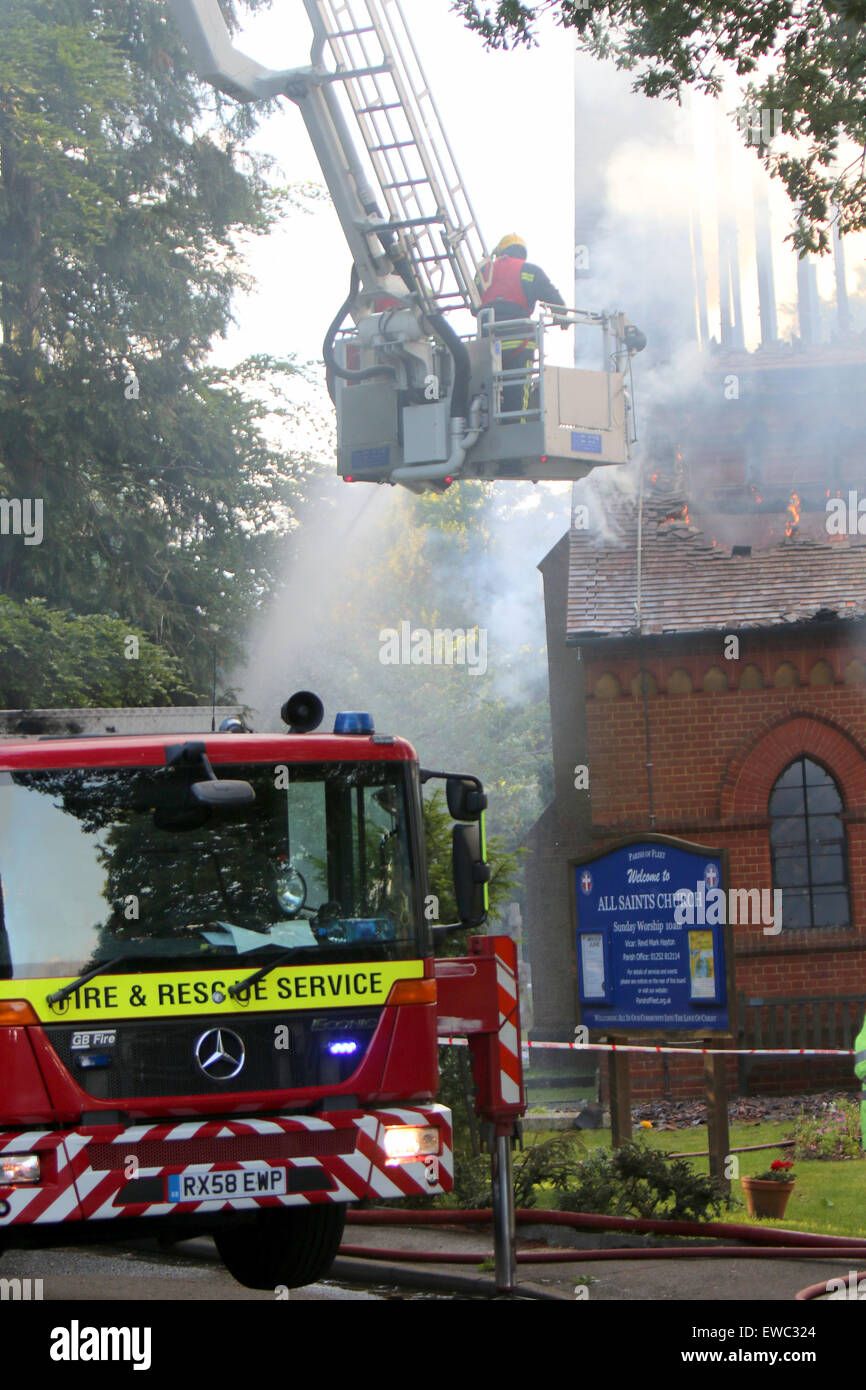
<point x="510" y="1063"/>
<point x="55" y="1198"/>
<point x="73" y="1190"/>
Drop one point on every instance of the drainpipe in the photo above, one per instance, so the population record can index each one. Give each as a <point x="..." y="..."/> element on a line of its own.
<point x="639" y="612"/>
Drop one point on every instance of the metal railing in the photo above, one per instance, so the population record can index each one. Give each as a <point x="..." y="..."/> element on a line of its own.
<point x="518" y="389"/>
<point x="530" y="376"/>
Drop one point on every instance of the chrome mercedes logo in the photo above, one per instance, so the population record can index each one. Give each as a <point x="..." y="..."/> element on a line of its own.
<point x="220" y="1054"/>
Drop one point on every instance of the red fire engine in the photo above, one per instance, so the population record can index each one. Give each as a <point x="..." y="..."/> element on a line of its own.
<point x="218" y="994"/>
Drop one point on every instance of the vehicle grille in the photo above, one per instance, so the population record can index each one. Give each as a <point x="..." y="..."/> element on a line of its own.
<point x="156" y="1057"/>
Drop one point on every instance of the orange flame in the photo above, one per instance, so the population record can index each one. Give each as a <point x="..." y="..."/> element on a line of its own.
<point x="794" y="511"/>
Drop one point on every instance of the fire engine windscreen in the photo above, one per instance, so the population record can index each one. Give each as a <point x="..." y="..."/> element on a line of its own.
<point x="104" y="863"/>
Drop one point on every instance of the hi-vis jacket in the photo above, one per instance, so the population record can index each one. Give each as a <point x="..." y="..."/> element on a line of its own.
<point x="860" y="1073"/>
<point x="514" y="286"/>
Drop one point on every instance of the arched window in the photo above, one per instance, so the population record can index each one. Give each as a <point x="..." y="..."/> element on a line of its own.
<point x="808" y="849"/>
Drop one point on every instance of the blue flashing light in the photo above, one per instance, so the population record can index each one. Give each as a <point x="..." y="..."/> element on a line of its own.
<point x="353" y="722"/>
<point x="342" y="1049"/>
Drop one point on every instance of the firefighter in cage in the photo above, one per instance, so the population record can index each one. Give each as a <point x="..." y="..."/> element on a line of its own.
<point x="511" y="286"/>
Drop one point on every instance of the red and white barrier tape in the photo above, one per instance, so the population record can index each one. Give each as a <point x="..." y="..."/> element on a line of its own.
<point x="685" y="1051"/>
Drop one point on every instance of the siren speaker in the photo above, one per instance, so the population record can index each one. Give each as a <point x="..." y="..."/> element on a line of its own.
<point x="303" y="712"/>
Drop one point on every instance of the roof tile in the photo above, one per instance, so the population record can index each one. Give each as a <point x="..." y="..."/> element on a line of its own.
<point x="689" y="585"/>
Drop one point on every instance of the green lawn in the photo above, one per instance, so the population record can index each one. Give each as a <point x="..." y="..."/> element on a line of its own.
<point x="829" y="1198"/>
<point x="543" y="1098"/>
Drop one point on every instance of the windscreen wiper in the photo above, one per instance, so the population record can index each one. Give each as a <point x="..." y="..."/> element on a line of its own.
<point x="243" y="985"/>
<point x="60" y="994"/>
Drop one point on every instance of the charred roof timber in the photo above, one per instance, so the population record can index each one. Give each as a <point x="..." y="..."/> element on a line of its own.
<point x="687" y="584"/>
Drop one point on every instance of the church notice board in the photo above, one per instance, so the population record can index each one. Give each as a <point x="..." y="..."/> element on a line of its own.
<point x="654" y="948"/>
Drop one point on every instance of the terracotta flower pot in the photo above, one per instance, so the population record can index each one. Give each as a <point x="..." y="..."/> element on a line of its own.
<point x="766" y="1197"/>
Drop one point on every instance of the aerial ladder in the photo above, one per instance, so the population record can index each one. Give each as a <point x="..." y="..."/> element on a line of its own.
<point x="417" y="401"/>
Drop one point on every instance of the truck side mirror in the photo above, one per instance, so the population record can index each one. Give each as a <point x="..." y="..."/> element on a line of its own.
<point x="465" y="797"/>
<point x="471" y="874"/>
<point x="223" y="794"/>
<point x="214" y="792"/>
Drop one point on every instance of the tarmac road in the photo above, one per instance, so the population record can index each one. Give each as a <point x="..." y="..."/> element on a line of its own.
<point x="96" y="1274"/>
<point x="668" y="1280"/>
<point x="192" y="1272"/>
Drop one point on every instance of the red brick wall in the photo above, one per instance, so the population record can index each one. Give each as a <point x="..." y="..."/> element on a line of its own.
<point x="715" y="758"/>
<point x="685" y="1077"/>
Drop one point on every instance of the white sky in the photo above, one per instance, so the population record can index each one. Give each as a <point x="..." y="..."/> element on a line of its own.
<point x="509" y="117"/>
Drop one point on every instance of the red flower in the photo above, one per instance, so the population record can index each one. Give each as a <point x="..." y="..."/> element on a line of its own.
<point x="779" y="1164"/>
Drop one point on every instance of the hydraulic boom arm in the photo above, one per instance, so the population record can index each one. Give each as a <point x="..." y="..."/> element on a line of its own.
<point x="402" y="206"/>
<point x="417" y="404"/>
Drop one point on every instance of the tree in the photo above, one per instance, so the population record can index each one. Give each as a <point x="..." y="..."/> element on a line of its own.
<point x="51" y="659"/>
<point x="124" y="185"/>
<point x="504" y="867"/>
<point x="805" y="59"/>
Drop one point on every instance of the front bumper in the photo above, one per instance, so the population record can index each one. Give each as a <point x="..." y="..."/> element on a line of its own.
<point x="114" y="1172"/>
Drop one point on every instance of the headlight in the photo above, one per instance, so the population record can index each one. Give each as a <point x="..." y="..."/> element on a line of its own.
<point x="405" y="1143"/>
<point x="19" y="1168"/>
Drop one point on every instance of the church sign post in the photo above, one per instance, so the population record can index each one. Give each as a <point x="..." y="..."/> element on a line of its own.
<point x="655" y="961"/>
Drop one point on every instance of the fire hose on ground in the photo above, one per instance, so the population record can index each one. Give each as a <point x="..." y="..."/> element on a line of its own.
<point x="758" y="1242"/>
<point x="495" y="1044"/>
<point x="822" y="1288"/>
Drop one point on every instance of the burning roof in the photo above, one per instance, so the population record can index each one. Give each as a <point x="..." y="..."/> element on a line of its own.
<point x="691" y="583"/>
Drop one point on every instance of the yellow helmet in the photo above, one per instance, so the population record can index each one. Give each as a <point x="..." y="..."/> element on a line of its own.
<point x="507" y="241"/>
